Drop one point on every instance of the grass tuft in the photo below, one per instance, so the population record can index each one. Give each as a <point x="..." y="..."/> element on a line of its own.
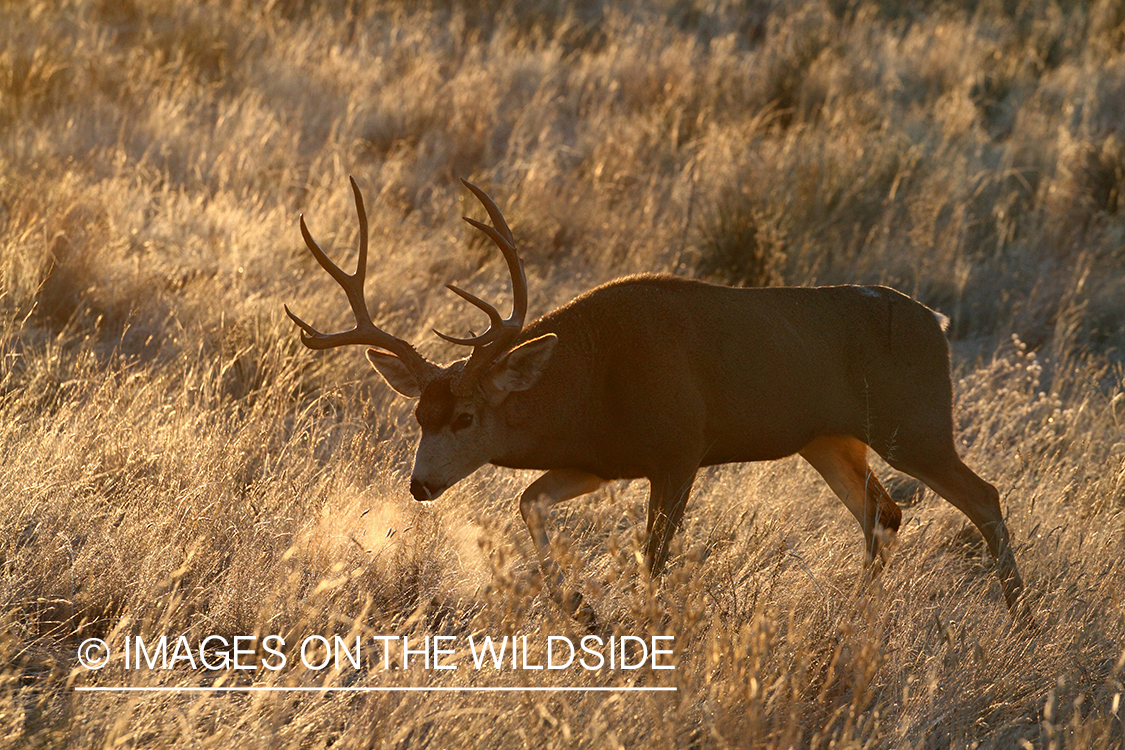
<point x="175" y="463"/>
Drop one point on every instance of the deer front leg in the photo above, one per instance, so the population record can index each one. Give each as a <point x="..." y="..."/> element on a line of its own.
<point x="553" y="487"/>
<point x="668" y="496"/>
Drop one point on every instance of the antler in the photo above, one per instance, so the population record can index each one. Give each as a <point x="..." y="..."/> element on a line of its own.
<point x="502" y="332"/>
<point x="365" y="331"/>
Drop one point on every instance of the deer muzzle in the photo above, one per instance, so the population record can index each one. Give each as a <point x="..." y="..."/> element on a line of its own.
<point x="423" y="492"/>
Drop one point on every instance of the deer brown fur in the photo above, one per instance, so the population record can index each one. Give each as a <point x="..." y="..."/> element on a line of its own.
<point x="656" y="376"/>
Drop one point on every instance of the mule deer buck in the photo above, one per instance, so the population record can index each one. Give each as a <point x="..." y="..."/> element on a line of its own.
<point x="656" y="376"/>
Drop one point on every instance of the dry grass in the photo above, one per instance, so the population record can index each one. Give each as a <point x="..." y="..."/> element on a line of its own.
<point x="175" y="463"/>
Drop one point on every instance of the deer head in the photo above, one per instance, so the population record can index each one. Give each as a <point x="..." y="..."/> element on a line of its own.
<point x="458" y="403"/>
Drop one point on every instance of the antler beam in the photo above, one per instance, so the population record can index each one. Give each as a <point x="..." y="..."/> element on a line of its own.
<point x="502" y="332"/>
<point x="365" y="331"/>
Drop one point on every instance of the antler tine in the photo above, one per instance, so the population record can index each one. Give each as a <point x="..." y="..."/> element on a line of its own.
<point x="501" y="333"/>
<point x="502" y="236"/>
<point x="365" y="331"/>
<point x="325" y="262"/>
<point x="361" y="212"/>
<point x="508" y="248"/>
<point x="493" y="211"/>
<point x="305" y="327"/>
<point x="495" y="323"/>
<point x="515" y="268"/>
<point x="352" y="284"/>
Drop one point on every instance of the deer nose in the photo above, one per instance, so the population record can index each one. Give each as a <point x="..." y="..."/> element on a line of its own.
<point x="420" y="491"/>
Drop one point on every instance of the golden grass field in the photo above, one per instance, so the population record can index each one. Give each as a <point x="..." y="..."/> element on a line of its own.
<point x="174" y="462"/>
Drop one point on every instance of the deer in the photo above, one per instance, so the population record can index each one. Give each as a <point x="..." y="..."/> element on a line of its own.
<point x="657" y="376"/>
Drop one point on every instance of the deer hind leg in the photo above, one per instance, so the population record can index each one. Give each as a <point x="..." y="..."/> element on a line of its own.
<point x="668" y="496"/>
<point x="980" y="501"/>
<point x="842" y="461"/>
<point x="556" y="486"/>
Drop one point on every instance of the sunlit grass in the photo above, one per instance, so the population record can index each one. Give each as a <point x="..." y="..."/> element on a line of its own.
<point x="175" y="463"/>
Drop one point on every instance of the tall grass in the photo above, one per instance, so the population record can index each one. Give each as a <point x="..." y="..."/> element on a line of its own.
<point x="174" y="462"/>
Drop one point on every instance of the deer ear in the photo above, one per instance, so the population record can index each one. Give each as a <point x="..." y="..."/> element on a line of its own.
<point x="520" y="368"/>
<point x="395" y="372"/>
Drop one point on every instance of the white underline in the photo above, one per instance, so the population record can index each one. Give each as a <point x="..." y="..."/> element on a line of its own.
<point x="283" y="689"/>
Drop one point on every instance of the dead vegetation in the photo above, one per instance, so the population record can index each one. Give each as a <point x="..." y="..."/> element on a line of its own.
<point x="175" y="463"/>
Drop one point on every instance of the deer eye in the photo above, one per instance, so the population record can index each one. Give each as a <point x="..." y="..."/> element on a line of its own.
<point x="463" y="420"/>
